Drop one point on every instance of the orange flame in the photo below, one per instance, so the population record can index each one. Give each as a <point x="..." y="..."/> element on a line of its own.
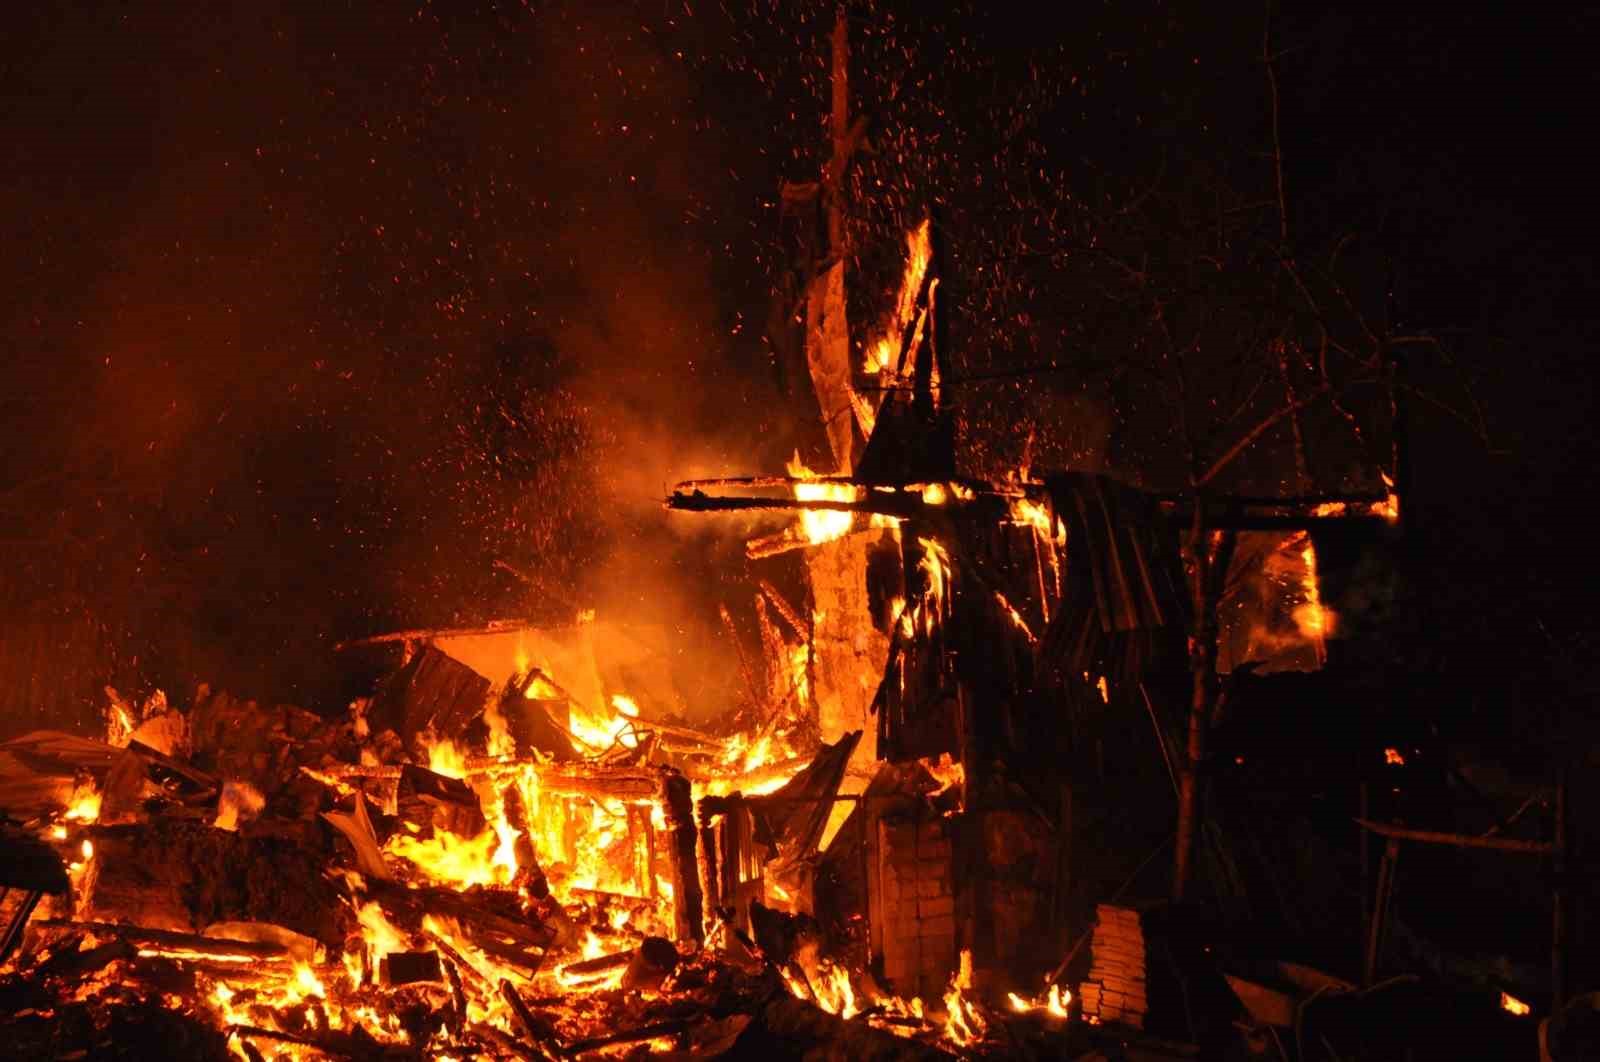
<point x="85" y="805"/>
<point x="1054" y="1003"/>
<point x="821" y="525"/>
<point x="884" y="353"/>
<point x="964" y="1024"/>
<point x="1389" y="508"/>
<point x="1315" y="620"/>
<point x="238" y="799"/>
<point x="935" y="565"/>
<point x="947" y="772"/>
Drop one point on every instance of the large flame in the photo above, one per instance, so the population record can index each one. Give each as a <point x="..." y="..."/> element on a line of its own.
<point x="964" y="1022"/>
<point x="603" y="731"/>
<point x="1315" y="620"/>
<point x="884" y="352"/>
<point x="935" y="567"/>
<point x="821" y="525"/>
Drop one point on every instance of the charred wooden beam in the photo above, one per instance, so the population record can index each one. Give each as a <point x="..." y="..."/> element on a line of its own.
<point x="437" y="789"/>
<point x="903" y="506"/>
<point x="335" y="1044"/>
<point x="428" y="634"/>
<point x="1264" y="522"/>
<point x="783" y="482"/>
<point x="1457" y="840"/>
<point x="677" y="802"/>
<point x="628" y="1036"/>
<point x="215" y="947"/>
<point x="599" y="965"/>
<point x="458" y="964"/>
<point x="710" y="881"/>
<point x="541" y="1032"/>
<point x="905" y="503"/>
<point x="758" y="777"/>
<point x="429" y="799"/>
<point x="635" y="784"/>
<point x="19" y="923"/>
<point x="1300" y="501"/>
<point x="490" y="1035"/>
<point x="409" y="967"/>
<point x="798" y="1025"/>
<point x="518" y="943"/>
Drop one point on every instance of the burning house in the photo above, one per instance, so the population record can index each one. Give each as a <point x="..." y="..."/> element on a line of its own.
<point x="970" y="715"/>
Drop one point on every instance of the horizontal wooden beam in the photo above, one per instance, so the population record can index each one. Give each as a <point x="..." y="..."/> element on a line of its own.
<point x="1457" y="840"/>
<point x="1264" y="522"/>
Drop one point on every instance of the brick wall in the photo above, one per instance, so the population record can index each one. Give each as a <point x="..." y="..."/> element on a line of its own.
<point x="1114" y="991"/>
<point x="918" y="905"/>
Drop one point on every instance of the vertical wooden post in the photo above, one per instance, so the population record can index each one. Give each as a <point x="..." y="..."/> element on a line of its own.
<point x="1558" y="905"/>
<point x="678" y="802"/>
<point x="1399" y="433"/>
<point x="1366" y="857"/>
<point x="1199" y="553"/>
<point x="710" y="876"/>
<point x="1208" y="572"/>
<point x="1380" y="910"/>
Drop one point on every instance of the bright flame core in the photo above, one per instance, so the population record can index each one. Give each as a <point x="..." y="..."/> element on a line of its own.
<point x="1315" y="620"/>
<point x="824" y="525"/>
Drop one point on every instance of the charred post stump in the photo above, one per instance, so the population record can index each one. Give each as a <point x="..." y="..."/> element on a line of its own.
<point x="677" y="801"/>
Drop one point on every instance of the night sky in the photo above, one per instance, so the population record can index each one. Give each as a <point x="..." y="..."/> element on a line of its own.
<point x="314" y="311"/>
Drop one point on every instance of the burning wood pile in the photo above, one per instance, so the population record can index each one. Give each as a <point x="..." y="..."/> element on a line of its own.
<point x="457" y="869"/>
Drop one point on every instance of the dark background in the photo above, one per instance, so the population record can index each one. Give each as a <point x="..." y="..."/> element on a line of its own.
<point x="311" y="312"/>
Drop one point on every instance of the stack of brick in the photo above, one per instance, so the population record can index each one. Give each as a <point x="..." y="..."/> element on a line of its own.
<point x="1114" y="991"/>
<point x="919" y="907"/>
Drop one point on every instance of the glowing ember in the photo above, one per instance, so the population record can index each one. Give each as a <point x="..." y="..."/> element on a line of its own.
<point x="1393" y="756"/>
<point x="800" y="671"/>
<point x="935" y="566"/>
<point x="1014" y="616"/>
<point x="946" y="772"/>
<point x="239" y="799"/>
<point x="85" y="806"/>
<point x="1389" y="508"/>
<point x="121" y="720"/>
<point x="1054" y="1003"/>
<point x="1037" y="516"/>
<point x="880" y="356"/>
<point x="1512" y="1005"/>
